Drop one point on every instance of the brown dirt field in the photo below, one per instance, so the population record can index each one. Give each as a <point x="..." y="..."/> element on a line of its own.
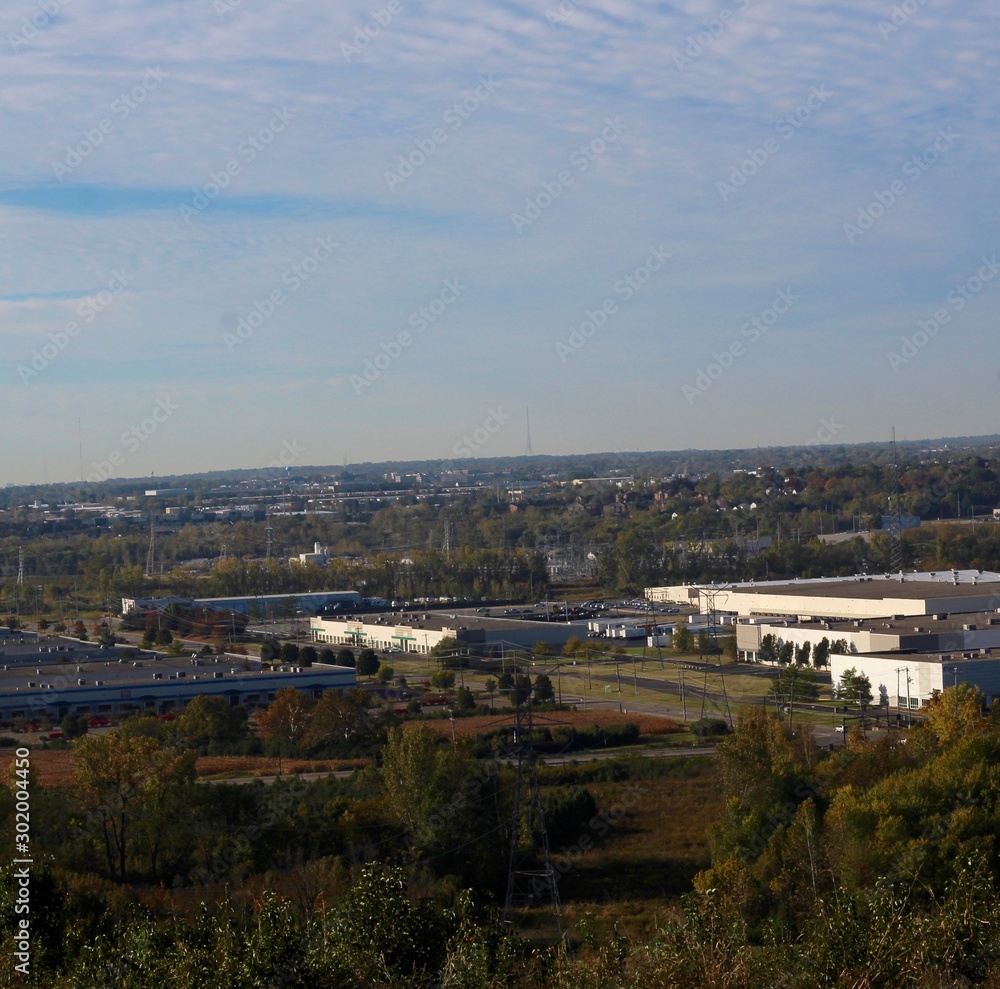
<point x="483" y="724"/>
<point x="55" y="767"/>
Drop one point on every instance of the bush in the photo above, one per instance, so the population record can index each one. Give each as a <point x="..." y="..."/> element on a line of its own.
<point x="707" y="727"/>
<point x="443" y="679"/>
<point x="567" y="813"/>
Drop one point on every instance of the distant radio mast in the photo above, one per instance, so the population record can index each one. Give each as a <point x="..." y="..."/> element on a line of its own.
<point x="527" y="444"/>
<point x="151" y="553"/>
<point x="895" y="521"/>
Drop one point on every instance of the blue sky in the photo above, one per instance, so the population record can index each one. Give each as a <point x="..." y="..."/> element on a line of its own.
<point x="657" y="225"/>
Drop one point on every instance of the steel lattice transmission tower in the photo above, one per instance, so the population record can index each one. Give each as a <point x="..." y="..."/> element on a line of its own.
<point x="151" y="552"/>
<point x="527" y="444"/>
<point x="709" y="594"/>
<point x="531" y="879"/>
<point x="895" y="529"/>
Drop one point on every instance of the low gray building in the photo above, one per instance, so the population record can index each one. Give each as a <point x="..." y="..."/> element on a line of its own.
<point x="157" y="685"/>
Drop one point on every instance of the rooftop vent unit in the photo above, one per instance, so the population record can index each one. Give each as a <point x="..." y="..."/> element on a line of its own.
<point x="81" y="682"/>
<point x="98" y="683"/>
<point x="969" y="627"/>
<point x="31" y="683"/>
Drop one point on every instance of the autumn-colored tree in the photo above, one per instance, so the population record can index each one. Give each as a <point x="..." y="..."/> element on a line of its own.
<point x="126" y="782"/>
<point x="287" y="716"/>
<point x="338" y="720"/>
<point x="956" y="712"/>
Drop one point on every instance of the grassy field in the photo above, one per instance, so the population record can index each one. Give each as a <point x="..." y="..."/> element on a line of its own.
<point x="641" y="853"/>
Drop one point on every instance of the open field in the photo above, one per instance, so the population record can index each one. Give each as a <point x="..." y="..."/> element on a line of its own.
<point x="55" y="766"/>
<point x="580" y="720"/>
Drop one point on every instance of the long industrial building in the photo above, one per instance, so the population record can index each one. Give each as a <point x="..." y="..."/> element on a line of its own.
<point x="858" y="596"/>
<point x="156" y="684"/>
<point x="421" y="632"/>
<point x="910" y="679"/>
<point x="261" y="605"/>
<point x="964" y="631"/>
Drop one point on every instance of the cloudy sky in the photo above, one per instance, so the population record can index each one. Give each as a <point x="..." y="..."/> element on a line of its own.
<point x="242" y="232"/>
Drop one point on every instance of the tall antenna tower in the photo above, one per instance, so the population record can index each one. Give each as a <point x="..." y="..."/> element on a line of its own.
<point x="20" y="581"/>
<point x="151" y="552"/>
<point x="895" y="528"/>
<point x="531" y="879"/>
<point x="712" y="612"/>
<point x="270" y="537"/>
<point x="527" y="444"/>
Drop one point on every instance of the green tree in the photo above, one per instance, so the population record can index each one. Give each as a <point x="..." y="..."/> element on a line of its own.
<point x="464" y="699"/>
<point x="208" y="719"/>
<point x="821" y="653"/>
<point x="385" y="673"/>
<point x="767" y="651"/>
<point x="344" y="658"/>
<point x="543" y="691"/>
<point x="491" y="688"/>
<point x="683" y="640"/>
<point x="443" y="679"/>
<point x="855" y="688"/>
<point x="368" y="663"/>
